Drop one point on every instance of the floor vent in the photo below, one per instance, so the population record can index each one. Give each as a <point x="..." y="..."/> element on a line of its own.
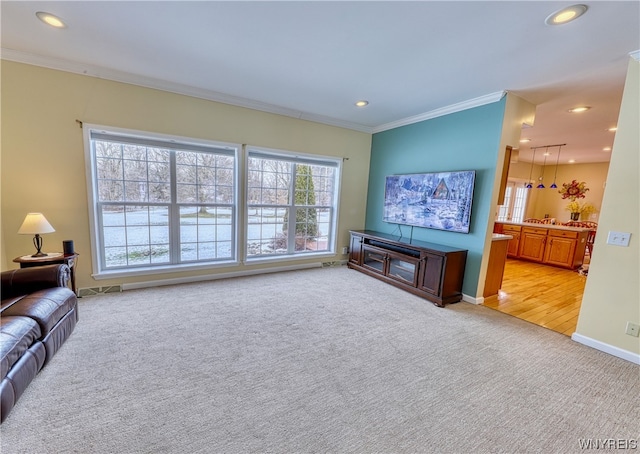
<point x="92" y="291"/>
<point x="332" y="264"/>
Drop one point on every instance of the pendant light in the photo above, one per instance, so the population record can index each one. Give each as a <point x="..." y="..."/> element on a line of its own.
<point x="541" y="185"/>
<point x="529" y="184"/>
<point x="554" y="185"/>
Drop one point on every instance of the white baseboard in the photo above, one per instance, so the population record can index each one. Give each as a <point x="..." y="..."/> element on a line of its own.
<point x="211" y="277"/>
<point x="603" y="347"/>
<point x="598" y="345"/>
<point x="472" y="299"/>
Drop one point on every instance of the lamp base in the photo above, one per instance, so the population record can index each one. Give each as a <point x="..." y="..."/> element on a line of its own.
<point x="37" y="242"/>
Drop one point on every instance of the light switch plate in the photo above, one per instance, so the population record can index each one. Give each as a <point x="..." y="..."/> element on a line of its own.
<point x="618" y="238"/>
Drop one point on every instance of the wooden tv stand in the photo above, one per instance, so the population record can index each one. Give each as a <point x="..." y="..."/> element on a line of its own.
<point x="432" y="271"/>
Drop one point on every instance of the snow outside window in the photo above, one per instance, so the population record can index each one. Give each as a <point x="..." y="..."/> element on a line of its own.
<point x="291" y="204"/>
<point x="158" y="202"/>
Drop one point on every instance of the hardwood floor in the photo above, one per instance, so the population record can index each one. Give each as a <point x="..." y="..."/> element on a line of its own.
<point x="541" y="294"/>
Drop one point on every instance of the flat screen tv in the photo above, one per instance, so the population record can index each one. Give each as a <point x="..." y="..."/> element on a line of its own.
<point x="439" y="200"/>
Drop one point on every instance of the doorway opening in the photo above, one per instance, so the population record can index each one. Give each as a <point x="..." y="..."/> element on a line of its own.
<point x="547" y="296"/>
<point x="515" y="202"/>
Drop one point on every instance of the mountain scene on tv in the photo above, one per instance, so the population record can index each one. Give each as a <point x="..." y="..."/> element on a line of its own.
<point x="432" y="200"/>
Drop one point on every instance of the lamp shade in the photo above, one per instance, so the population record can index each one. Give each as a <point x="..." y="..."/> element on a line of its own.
<point x="35" y="223"/>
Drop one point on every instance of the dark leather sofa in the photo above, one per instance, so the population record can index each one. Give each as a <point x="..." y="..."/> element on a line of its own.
<point x="38" y="313"/>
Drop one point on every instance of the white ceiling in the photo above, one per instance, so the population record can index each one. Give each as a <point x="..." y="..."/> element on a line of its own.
<point x="314" y="59"/>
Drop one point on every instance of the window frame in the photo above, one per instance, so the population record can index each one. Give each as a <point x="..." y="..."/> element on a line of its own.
<point x="513" y="203"/>
<point x="293" y="158"/>
<point x="174" y="143"/>
<point x="241" y="153"/>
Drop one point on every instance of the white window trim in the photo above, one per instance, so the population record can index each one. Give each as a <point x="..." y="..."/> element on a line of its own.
<point x="96" y="256"/>
<point x="292" y="155"/>
<point x="241" y="232"/>
<point x="517" y="182"/>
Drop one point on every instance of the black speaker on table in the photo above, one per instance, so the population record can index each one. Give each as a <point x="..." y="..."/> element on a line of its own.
<point x="67" y="247"/>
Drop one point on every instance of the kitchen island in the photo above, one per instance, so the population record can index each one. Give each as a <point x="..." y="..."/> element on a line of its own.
<point x="556" y="245"/>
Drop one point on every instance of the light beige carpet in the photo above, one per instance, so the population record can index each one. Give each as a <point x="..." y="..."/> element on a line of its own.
<point x="323" y="360"/>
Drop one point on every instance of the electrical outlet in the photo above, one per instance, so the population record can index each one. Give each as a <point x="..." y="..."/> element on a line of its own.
<point x="633" y="329"/>
<point x="618" y="238"/>
<point x="345" y="250"/>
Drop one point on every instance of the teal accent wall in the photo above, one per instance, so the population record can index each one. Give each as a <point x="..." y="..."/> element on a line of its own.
<point x="467" y="140"/>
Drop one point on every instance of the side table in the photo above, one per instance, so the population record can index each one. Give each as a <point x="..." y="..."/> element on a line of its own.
<point x="26" y="261"/>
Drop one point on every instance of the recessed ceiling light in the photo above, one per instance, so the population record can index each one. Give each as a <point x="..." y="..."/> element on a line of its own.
<point x="579" y="109"/>
<point x="525" y="140"/>
<point x="606" y="149"/>
<point x="572" y="161"/>
<point x="50" y="19"/>
<point x="362" y="103"/>
<point x="566" y="15"/>
<point x="614" y="129"/>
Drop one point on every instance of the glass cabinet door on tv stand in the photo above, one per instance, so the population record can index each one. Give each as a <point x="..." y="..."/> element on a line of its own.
<point x="374" y="259"/>
<point x="388" y="263"/>
<point x="402" y="268"/>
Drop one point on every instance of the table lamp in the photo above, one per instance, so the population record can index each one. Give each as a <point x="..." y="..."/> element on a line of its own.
<point x="35" y="224"/>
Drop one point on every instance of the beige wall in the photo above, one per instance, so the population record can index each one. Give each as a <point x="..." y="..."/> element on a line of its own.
<point x="43" y="165"/>
<point x="549" y="201"/>
<point x="517" y="112"/>
<point x="612" y="293"/>
<point x="3" y="257"/>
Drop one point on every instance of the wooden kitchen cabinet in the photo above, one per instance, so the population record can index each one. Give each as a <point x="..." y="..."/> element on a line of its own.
<point x="561" y="248"/>
<point x="552" y="244"/>
<point x="513" y="248"/>
<point x="532" y="244"/>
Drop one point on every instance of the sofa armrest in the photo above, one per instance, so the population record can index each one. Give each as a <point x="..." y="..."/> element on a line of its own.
<point x="28" y="280"/>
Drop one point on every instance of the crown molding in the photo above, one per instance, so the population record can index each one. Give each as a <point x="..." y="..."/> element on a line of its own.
<point x="464" y="105"/>
<point x="158" y="84"/>
<point x="209" y="95"/>
<point x="635" y="55"/>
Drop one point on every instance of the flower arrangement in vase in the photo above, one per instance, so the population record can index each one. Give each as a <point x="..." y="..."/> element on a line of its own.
<point x="578" y="209"/>
<point x="573" y="191"/>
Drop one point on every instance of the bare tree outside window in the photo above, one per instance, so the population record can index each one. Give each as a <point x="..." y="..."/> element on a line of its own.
<point x="140" y="205"/>
<point x="160" y="201"/>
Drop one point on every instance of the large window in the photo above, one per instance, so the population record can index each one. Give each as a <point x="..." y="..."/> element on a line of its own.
<point x="160" y="202"/>
<point x="290" y="204"/>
